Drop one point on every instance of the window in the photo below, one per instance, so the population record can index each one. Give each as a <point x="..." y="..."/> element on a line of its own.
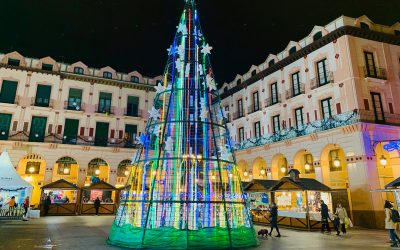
<point x="101" y="136"/>
<point x="107" y="75"/>
<point x="13" y="62"/>
<point x="299" y="117"/>
<point x="104" y="103"/>
<point x="364" y="26"/>
<point x="240" y="108"/>
<point x="78" y="70"/>
<point x="32" y="167"/>
<point x="43" y="95"/>
<point x="296" y="88"/>
<point x="241" y="134"/>
<point x="227" y="111"/>
<point x="257" y="129"/>
<point x="132" y="108"/>
<point x="239" y="81"/>
<point x="317" y="36"/>
<point x="270" y="63"/>
<point x="378" y="108"/>
<point x="256" y="102"/>
<point x="254" y="72"/>
<point x="48" y="67"/>
<point x="130" y="135"/>
<point x="292" y="50"/>
<point x="135" y="79"/>
<point x="65" y="165"/>
<point x="370" y="64"/>
<point x="397" y="32"/>
<point x="38" y="129"/>
<point x="5" y="123"/>
<point x="276" y="123"/>
<point x="8" y="91"/>
<point x="322" y="72"/>
<point x="74" y="99"/>
<point x="274" y="93"/>
<point x="225" y="89"/>
<point x="70" y="131"/>
<point x="326" y="108"/>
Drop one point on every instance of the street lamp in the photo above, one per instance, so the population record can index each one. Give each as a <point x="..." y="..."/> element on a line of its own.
<point x="383" y="161"/>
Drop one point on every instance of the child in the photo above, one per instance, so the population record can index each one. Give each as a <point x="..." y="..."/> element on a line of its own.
<point x="336" y="223"/>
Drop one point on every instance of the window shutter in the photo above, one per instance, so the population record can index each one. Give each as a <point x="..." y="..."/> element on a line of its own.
<point x="112" y="133"/>
<point x="315" y="115"/>
<point x="50" y="129"/>
<point x="26" y="125"/>
<point x="121" y="134"/>
<point x="366" y="104"/>
<point x="91" y="131"/>
<point x="391" y="108"/>
<point x="308" y="117"/>
<point x="15" y="125"/>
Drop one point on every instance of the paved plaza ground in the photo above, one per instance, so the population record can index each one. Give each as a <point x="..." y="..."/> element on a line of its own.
<point x="90" y="232"/>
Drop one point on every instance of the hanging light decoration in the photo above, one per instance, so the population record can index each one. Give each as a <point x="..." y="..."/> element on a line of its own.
<point x="307" y="166"/>
<point x="336" y="162"/>
<point x="31" y="170"/>
<point x="383" y="161"/>
<point x="245" y="173"/>
<point x="126" y="172"/>
<point x="66" y="171"/>
<point x="262" y="171"/>
<point x="97" y="171"/>
<point x="283" y="169"/>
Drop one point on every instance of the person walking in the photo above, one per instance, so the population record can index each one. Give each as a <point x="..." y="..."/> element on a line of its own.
<point x="25" y="205"/>
<point x="11" y="206"/>
<point x="324" y="217"/>
<point x="390" y="224"/>
<point x="274" y="219"/>
<point x="97" y="205"/>
<point x="342" y="215"/>
<point x="47" y="203"/>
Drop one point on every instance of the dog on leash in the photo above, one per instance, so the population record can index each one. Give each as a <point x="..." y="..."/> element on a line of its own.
<point x="263" y="233"/>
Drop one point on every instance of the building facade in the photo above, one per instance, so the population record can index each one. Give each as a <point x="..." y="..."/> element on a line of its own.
<point x="326" y="106"/>
<point x="70" y="121"/>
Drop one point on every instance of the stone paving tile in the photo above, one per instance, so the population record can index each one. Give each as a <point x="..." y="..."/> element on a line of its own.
<point x="90" y="232"/>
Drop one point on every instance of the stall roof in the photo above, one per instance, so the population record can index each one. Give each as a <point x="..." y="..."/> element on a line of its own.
<point x="9" y="178"/>
<point x="101" y="185"/>
<point x="259" y="185"/>
<point x="61" y="184"/>
<point x="393" y="184"/>
<point x="287" y="183"/>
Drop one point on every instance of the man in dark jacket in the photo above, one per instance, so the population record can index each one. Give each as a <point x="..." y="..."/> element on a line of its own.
<point x="97" y="205"/>
<point x="324" y="217"/>
<point x="274" y="219"/>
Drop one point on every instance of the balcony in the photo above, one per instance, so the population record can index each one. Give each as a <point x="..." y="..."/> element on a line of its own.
<point x="237" y="115"/>
<point x="108" y="110"/>
<point x="254" y="108"/>
<point x="75" y="140"/>
<point x="378" y="73"/>
<point x="272" y="101"/>
<point x="388" y="118"/>
<point x="39" y="102"/>
<point x="74" y="106"/>
<point x="133" y="113"/>
<point x="311" y="128"/>
<point x="290" y="93"/>
<point x="317" y="82"/>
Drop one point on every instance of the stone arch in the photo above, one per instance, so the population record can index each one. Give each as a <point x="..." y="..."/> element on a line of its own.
<point x="334" y="167"/>
<point x="66" y="168"/>
<point x="278" y="164"/>
<point x="98" y="167"/>
<point x="259" y="168"/>
<point x="304" y="162"/>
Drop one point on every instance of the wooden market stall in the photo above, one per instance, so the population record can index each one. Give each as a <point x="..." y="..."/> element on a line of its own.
<point x="63" y="196"/>
<point x="298" y="200"/>
<point x="259" y="198"/>
<point x="107" y="195"/>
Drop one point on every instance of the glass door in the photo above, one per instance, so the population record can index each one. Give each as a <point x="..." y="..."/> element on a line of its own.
<point x="101" y="137"/>
<point x="5" y="123"/>
<point x="38" y="129"/>
<point x="70" y="131"/>
<point x="378" y="109"/>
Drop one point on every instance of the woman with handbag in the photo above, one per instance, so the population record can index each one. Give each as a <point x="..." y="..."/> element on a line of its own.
<point x="342" y="215"/>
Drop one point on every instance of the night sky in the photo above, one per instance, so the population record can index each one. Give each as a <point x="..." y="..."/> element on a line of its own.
<point x="134" y="35"/>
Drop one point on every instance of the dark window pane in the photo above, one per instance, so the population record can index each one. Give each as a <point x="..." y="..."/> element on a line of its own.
<point x="48" y="67"/>
<point x="8" y="91"/>
<point x="43" y="95"/>
<point x="13" y="62"/>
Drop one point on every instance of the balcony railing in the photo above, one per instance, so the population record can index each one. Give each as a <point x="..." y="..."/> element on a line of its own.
<point x="77" y="140"/>
<point x="272" y="101"/>
<point x="291" y="93"/>
<point x="378" y="73"/>
<point x="135" y="113"/>
<point x="74" y="106"/>
<point x="318" y="82"/>
<point x="105" y="110"/>
<point x="46" y="103"/>
<point x="311" y="128"/>
<point x="254" y="108"/>
<point x="388" y="118"/>
<point x="237" y="115"/>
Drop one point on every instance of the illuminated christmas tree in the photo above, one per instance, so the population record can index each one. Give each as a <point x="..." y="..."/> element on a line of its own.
<point x="184" y="187"/>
